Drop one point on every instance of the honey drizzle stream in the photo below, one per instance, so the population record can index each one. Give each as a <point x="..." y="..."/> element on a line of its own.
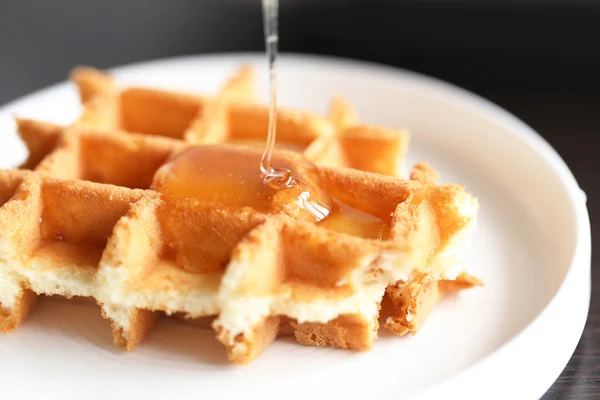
<point x="217" y="175"/>
<point x="274" y="177"/>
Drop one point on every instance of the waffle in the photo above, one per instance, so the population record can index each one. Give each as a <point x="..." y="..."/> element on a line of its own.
<point x="253" y="274"/>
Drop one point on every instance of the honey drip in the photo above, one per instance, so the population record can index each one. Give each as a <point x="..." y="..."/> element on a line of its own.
<point x="345" y="219"/>
<point x="277" y="178"/>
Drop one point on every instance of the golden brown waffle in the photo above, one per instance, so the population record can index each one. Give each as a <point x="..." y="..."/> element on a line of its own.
<point x="258" y="275"/>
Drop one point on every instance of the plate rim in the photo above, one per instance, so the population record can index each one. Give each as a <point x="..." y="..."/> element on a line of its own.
<point x="578" y="275"/>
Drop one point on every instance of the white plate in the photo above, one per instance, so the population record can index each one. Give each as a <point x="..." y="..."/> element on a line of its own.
<point x="508" y="340"/>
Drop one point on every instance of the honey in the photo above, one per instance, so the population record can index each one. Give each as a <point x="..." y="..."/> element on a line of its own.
<point x="229" y="176"/>
<point x="236" y="176"/>
<point x="348" y="220"/>
<point x="281" y="176"/>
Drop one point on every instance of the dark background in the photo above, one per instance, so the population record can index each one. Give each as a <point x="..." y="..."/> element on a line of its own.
<point x="538" y="59"/>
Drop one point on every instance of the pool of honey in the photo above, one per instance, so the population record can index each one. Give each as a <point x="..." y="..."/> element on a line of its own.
<point x="349" y="220"/>
<point x="229" y="175"/>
